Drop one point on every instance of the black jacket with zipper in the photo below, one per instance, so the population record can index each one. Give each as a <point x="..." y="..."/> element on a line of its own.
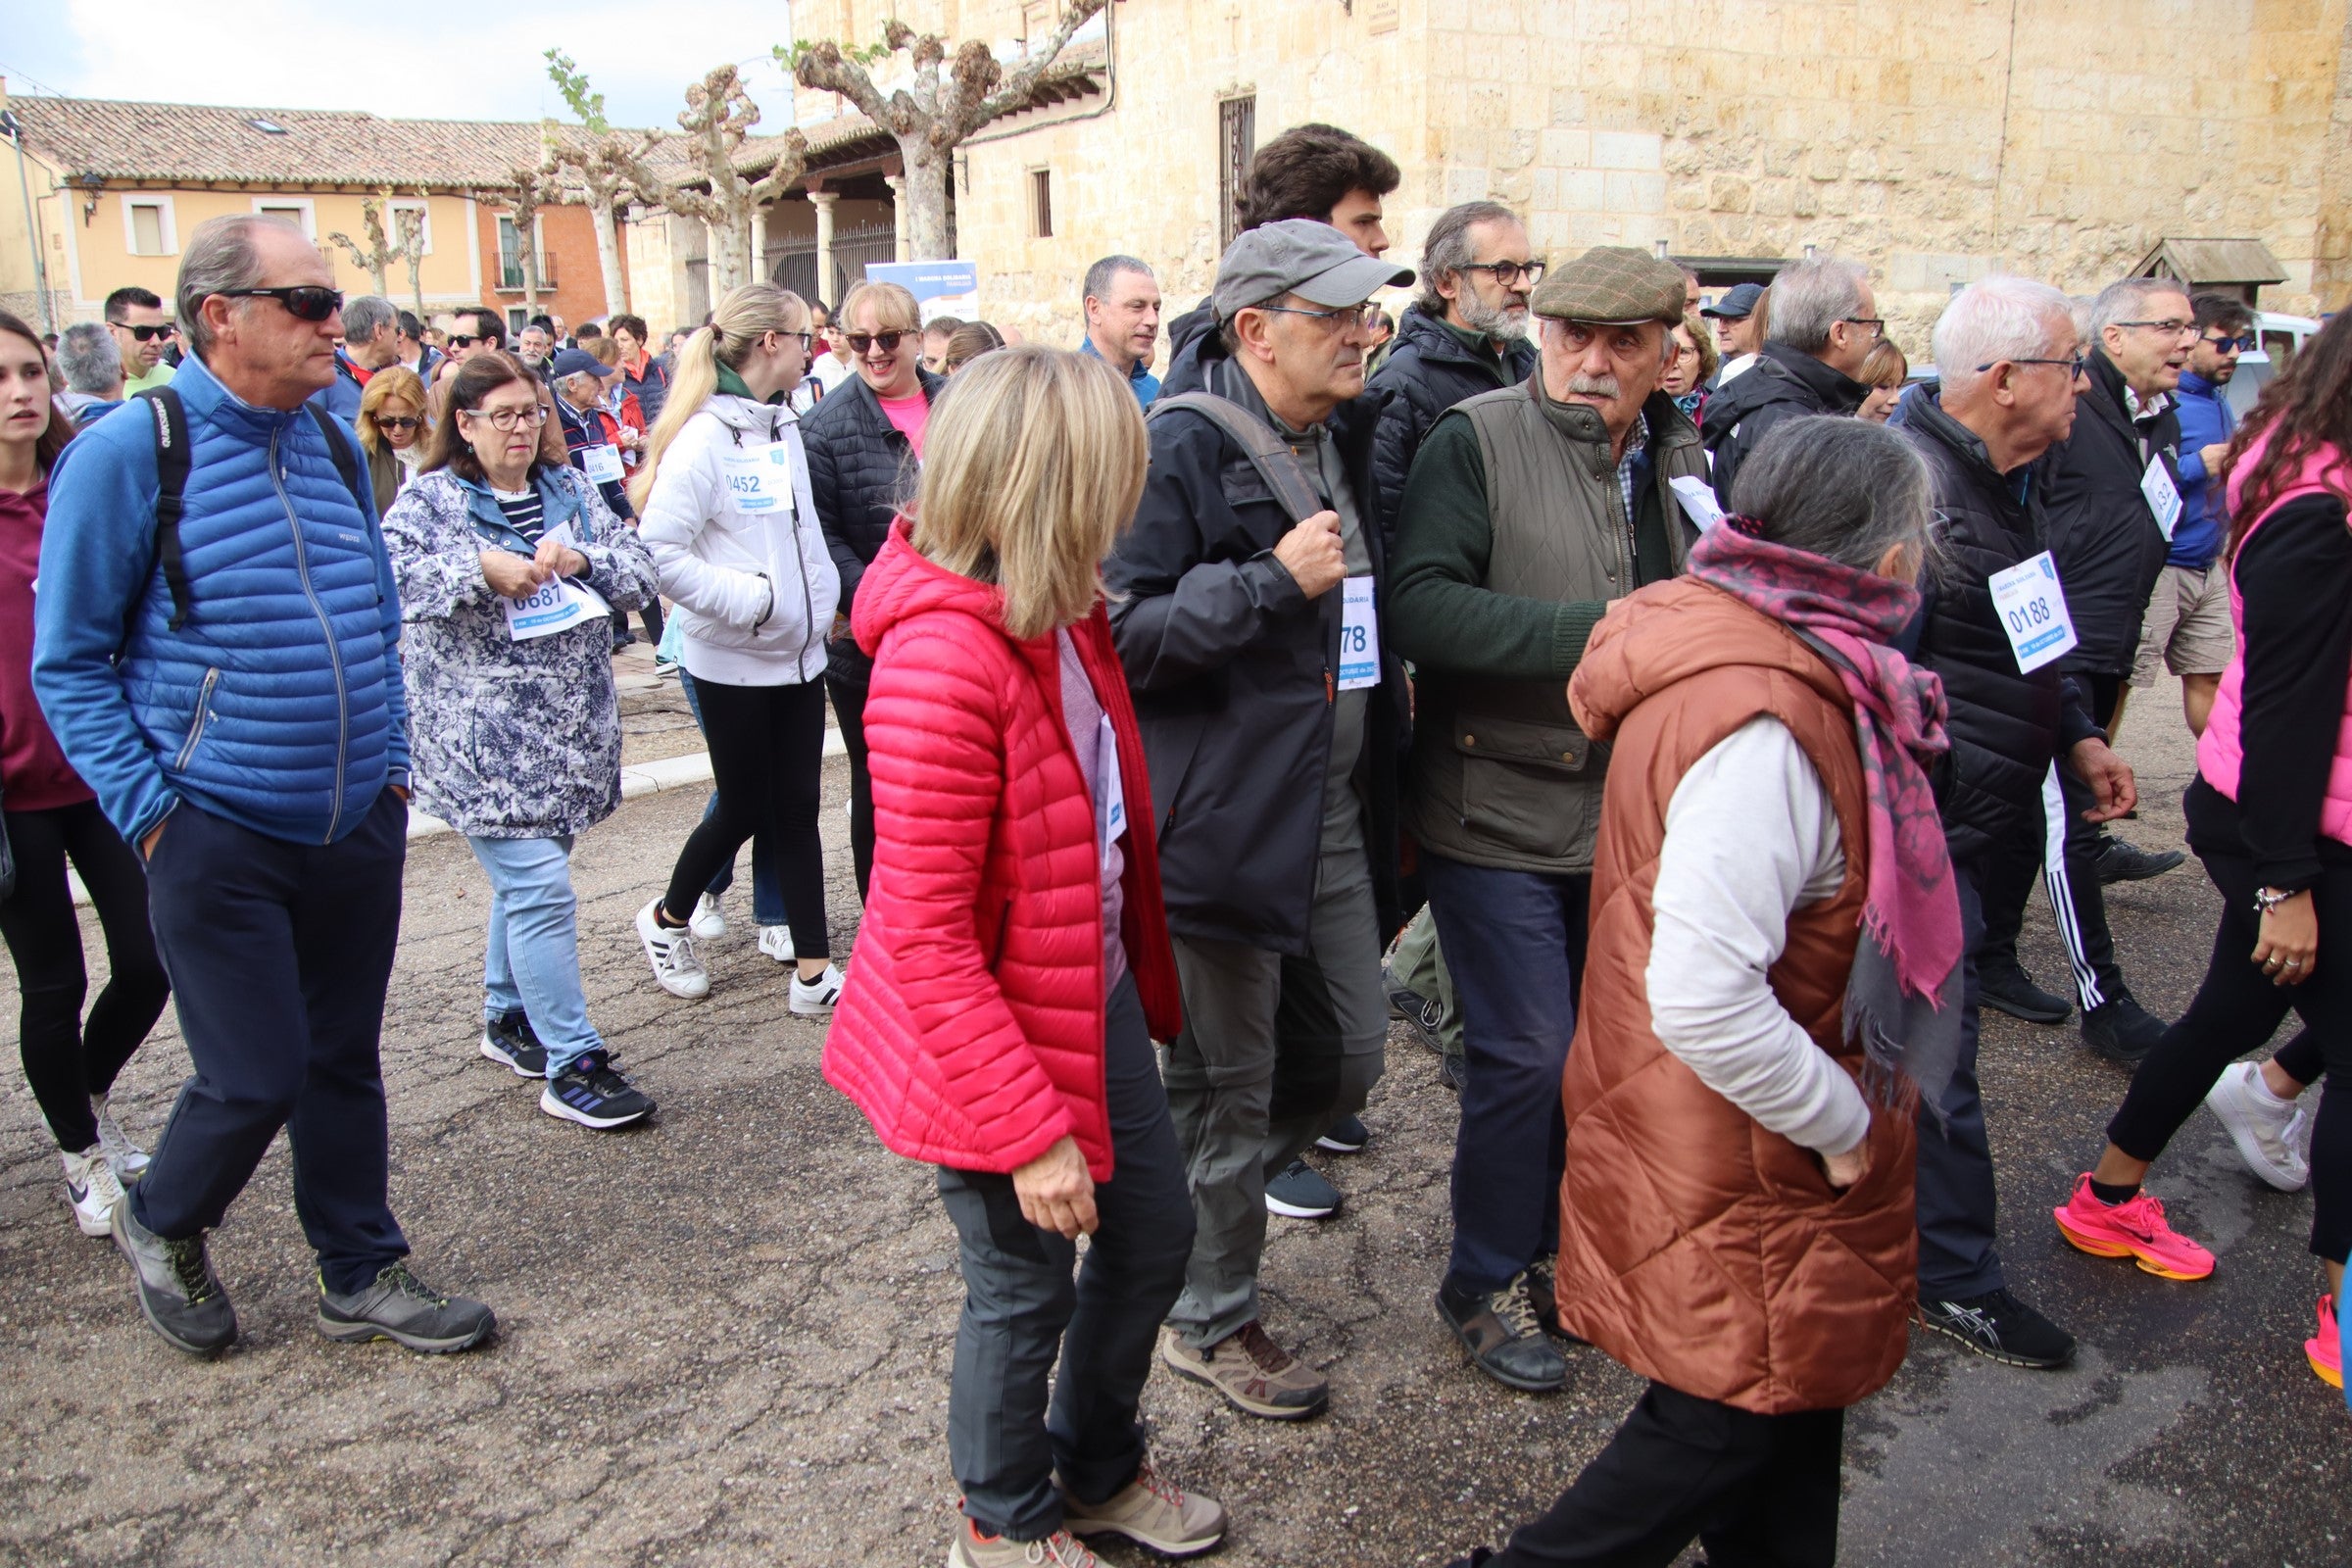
<point x="1428" y="371"/>
<point x="861" y="471"/>
<point x="2108" y="546"/>
<point x="1782" y="384"/>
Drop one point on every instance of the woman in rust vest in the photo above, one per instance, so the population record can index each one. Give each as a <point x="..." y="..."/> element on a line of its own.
<point x="1772" y="982"/>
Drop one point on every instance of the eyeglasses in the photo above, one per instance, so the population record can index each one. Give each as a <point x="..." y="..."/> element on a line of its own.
<point x="304" y="302"/>
<point x="1877" y="325"/>
<point x="1346" y="315"/>
<point x="861" y="342"/>
<point x="395" y="423"/>
<point x="2244" y="344"/>
<point x="1510" y="273"/>
<point x="148" y="334"/>
<point x="459" y="340"/>
<point x="508" y="418"/>
<point x="2173" y="329"/>
<point x="2079" y="364"/>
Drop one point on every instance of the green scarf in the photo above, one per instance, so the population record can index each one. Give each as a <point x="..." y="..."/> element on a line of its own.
<point x="730" y="383"/>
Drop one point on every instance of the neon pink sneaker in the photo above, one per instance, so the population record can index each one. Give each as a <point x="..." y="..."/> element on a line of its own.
<point x="2326" y="1353"/>
<point x="2136" y="1229"/>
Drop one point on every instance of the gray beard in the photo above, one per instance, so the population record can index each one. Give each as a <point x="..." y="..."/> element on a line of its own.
<point x="1496" y="322"/>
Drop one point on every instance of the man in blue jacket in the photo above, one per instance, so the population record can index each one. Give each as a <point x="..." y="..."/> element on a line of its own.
<point x="2186" y="627"/>
<point x="227" y="678"/>
<point x="370" y="343"/>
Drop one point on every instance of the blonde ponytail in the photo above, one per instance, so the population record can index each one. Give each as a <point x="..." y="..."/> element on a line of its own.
<point x="746" y="315"/>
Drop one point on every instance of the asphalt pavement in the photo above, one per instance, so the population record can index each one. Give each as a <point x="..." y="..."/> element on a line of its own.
<point x="726" y="1336"/>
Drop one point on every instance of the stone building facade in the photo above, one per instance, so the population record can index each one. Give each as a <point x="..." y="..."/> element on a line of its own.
<point x="1937" y="141"/>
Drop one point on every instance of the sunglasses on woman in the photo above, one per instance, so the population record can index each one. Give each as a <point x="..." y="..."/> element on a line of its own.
<point x="304" y="302"/>
<point x="887" y="342"/>
<point x="397" y="423"/>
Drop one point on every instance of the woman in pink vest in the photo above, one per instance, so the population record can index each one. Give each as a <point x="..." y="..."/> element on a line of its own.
<point x="2271" y="815"/>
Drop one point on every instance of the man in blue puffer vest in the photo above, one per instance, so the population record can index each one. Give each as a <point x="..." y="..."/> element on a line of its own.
<point x="242" y="722"/>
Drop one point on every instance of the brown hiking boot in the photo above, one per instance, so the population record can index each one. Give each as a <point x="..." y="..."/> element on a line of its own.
<point x="1060" y="1550"/>
<point x="1152" y="1511"/>
<point x="1255" y="1375"/>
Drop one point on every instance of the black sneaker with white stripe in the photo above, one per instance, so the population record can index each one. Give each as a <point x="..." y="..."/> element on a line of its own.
<point x="2001" y="1328"/>
<point x="594" y="1093"/>
<point x="511" y="1041"/>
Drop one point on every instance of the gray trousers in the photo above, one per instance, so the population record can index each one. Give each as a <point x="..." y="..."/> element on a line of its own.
<point x="1023" y="1312"/>
<point x="1419" y="964"/>
<point x="1323" y="1019"/>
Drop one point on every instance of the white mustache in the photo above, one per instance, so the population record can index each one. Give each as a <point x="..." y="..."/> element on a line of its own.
<point x="1594" y="386"/>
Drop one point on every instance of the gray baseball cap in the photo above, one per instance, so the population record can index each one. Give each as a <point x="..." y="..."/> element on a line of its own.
<point x="1299" y="256"/>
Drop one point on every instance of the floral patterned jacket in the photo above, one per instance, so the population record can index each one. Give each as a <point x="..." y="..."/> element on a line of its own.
<point x="509" y="740"/>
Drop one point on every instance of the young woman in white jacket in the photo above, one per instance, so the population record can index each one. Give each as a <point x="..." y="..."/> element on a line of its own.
<point x="726" y="512"/>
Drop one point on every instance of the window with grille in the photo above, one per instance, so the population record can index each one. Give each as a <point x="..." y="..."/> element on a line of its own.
<point x="1237" y="144"/>
<point x="1040" y="203"/>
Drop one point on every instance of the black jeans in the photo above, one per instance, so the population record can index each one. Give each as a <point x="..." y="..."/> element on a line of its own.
<point x="1021" y="1307"/>
<point x="1955" y="1204"/>
<point x="767" y="760"/>
<point x="849" y="711"/>
<point x="279" y="954"/>
<point x="1755" y="1491"/>
<point x="65" y="1061"/>
<point x="2236" y="1010"/>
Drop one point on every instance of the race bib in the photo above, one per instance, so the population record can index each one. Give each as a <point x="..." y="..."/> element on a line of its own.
<point x="1698" y="500"/>
<point x="2164" y="497"/>
<point x="1359" y="637"/>
<point x="1111" y="798"/>
<point x="760" y="478"/>
<point x="557" y="605"/>
<point x="2032" y="610"/>
<point x="601" y="462"/>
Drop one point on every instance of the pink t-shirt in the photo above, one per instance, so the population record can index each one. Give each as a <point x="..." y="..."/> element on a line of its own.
<point x="909" y="417"/>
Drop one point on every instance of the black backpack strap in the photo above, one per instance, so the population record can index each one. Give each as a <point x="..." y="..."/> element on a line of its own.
<point x="170" y="483"/>
<point x="338" y="447"/>
<point x="1284" y="475"/>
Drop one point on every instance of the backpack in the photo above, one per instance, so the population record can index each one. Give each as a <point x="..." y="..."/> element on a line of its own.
<point x="172" y="461"/>
<point x="1276" y="463"/>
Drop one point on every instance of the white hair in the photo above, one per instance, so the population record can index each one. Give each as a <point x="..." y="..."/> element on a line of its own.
<point x="1993" y="320"/>
<point x="1808" y="298"/>
<point x="2128" y="300"/>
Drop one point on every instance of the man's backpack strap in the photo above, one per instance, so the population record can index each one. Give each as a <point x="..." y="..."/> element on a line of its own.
<point x="170" y="483"/>
<point x="1276" y="462"/>
<point x="338" y="447"/>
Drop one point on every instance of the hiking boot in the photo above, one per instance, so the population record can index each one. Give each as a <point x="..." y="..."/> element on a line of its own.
<point x="2001" y="1328"/>
<point x="1297" y="1192"/>
<point x="2325" y="1353"/>
<point x="1060" y="1550"/>
<point x="512" y="1042"/>
<point x="594" y="1094"/>
<point x="1454" y="1072"/>
<point x="2134" y="1228"/>
<point x="708" y="922"/>
<point x="178" y="1291"/>
<point x="400" y="1307"/>
<point x="128" y="1159"/>
<point x="1542" y="1298"/>
<point x="2007" y="988"/>
<point x="2122" y="1031"/>
<point x="1404" y="1000"/>
<point x="1347" y="1136"/>
<point x="2269" y="1132"/>
<point x="1505" y="1339"/>
<point x="1151" y="1511"/>
<point x="92" y="1191"/>
<point x="671" y="951"/>
<point x="2120" y="860"/>
<point x="1256" y="1376"/>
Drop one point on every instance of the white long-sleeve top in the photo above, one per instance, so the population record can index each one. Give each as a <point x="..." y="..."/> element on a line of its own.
<point x="1752" y="835"/>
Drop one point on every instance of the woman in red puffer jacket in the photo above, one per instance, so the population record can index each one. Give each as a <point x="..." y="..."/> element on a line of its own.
<point x="1014" y="966"/>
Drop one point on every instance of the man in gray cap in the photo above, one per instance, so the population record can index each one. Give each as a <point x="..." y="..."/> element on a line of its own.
<point x="1529" y="511"/>
<point x="1245" y="606"/>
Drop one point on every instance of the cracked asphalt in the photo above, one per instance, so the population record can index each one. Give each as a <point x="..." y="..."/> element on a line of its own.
<point x="725" y="1337"/>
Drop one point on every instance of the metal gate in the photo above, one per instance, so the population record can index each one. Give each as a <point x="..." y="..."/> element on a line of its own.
<point x="795" y="264"/>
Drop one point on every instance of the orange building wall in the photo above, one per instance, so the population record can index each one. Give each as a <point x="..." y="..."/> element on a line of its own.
<point x="567" y="236"/>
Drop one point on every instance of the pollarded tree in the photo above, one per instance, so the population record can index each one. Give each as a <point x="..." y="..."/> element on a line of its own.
<point x="933" y="114"/>
<point x="523" y="192"/>
<point x="379" y="253"/>
<point x="712" y="188"/>
<point x="600" y="164"/>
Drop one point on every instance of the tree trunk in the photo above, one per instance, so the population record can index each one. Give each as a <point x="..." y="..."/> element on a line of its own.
<point x="376" y="271"/>
<point x="923" y="206"/>
<point x="729" y="268"/>
<point x="525" y="220"/>
<point x="608" y="254"/>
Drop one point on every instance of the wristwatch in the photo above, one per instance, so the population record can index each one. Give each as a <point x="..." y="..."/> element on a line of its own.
<point x="2267" y="899"/>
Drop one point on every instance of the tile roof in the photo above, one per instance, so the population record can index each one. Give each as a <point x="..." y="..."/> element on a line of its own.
<point x="113" y="139"/>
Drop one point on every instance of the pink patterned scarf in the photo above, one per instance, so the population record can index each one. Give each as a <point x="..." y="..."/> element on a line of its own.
<point x="1903" y="999"/>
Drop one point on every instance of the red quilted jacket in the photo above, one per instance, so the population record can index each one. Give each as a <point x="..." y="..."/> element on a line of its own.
<point x="970" y="1032"/>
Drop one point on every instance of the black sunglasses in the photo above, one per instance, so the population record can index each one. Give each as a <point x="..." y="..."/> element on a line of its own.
<point x="397" y="423"/>
<point x="887" y="342"/>
<point x="2244" y="344"/>
<point x="461" y="340"/>
<point x="305" y="302"/>
<point x="148" y="334"/>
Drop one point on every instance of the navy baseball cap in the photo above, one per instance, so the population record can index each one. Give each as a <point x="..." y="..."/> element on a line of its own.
<point x="572" y="362"/>
<point x="1739" y="304"/>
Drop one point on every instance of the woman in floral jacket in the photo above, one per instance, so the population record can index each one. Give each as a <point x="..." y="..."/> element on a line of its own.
<point x="508" y="566"/>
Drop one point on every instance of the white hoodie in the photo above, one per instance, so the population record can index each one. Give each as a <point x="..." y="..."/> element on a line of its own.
<point x="756" y="592"/>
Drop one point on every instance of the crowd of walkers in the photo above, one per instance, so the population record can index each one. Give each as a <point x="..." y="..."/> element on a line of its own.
<point x="1662" y="708"/>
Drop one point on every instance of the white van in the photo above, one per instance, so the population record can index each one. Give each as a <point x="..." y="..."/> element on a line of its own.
<point x="2276" y="338"/>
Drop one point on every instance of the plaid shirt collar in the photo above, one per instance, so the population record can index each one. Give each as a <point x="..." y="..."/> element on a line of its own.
<point x="1637" y="442"/>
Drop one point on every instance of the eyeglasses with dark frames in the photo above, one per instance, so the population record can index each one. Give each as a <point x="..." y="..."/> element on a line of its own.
<point x="148" y="334"/>
<point x="396" y="422"/>
<point x="887" y="342"/>
<point x="2079" y="366"/>
<point x="506" y="419"/>
<point x="1347" y="315"/>
<point x="2173" y="328"/>
<point x="304" y="302"/>
<point x="1877" y="325"/>
<point x="2241" y="344"/>
<point x="1510" y="273"/>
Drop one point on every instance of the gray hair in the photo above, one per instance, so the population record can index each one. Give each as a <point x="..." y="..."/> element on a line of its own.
<point x="1993" y="320"/>
<point x="1808" y="298"/>
<point x="1843" y="489"/>
<point x="2128" y="300"/>
<point x="86" y="353"/>
<point x="1447" y="250"/>
<point x="1099" y="276"/>
<point x="221" y="256"/>
<point x="366" y="316"/>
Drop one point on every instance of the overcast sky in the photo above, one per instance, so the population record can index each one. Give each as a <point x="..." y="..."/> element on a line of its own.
<point x="420" y="58"/>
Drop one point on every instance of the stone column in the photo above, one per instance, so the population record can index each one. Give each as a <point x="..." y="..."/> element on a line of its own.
<point x="897" y="212"/>
<point x="824" y="201"/>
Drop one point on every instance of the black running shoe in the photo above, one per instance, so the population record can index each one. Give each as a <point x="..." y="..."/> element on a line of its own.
<point x="2121" y="1030"/>
<point x="400" y="1307"/>
<point x="1297" y="1191"/>
<point x="2000" y="1327"/>
<point x="2120" y="860"/>
<point x="2007" y="988"/>
<point x="178" y="1291"/>
<point x="1347" y="1136"/>
<point x="1454" y="1072"/>
<point x="592" y="1092"/>
<point x="510" y="1040"/>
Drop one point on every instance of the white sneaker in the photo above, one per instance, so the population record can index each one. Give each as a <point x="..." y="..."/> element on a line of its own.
<point x="91" y="1191"/>
<point x="128" y="1159"/>
<point x="670" y="950"/>
<point x="776" y="942"/>
<point x="814" y="999"/>
<point x="710" y="920"/>
<point x="2261" y="1125"/>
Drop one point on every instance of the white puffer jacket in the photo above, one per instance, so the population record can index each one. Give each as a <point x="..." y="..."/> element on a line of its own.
<point x="756" y="592"/>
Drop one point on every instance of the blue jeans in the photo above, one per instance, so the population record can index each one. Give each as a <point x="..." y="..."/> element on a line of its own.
<point x="532" y="964"/>
<point x="1514" y="941"/>
<point x="767" y="893"/>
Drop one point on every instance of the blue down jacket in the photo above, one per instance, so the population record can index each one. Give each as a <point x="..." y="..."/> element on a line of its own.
<point x="277" y="704"/>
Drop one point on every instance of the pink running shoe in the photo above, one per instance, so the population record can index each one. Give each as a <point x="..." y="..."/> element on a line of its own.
<point x="2326" y="1353"/>
<point x="2136" y="1229"/>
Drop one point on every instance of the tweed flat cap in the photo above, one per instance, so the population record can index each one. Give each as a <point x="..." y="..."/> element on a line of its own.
<point x="1614" y="285"/>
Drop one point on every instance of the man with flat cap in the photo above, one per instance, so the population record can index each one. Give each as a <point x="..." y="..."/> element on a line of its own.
<point x="1247" y="604"/>
<point x="1529" y="511"/>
